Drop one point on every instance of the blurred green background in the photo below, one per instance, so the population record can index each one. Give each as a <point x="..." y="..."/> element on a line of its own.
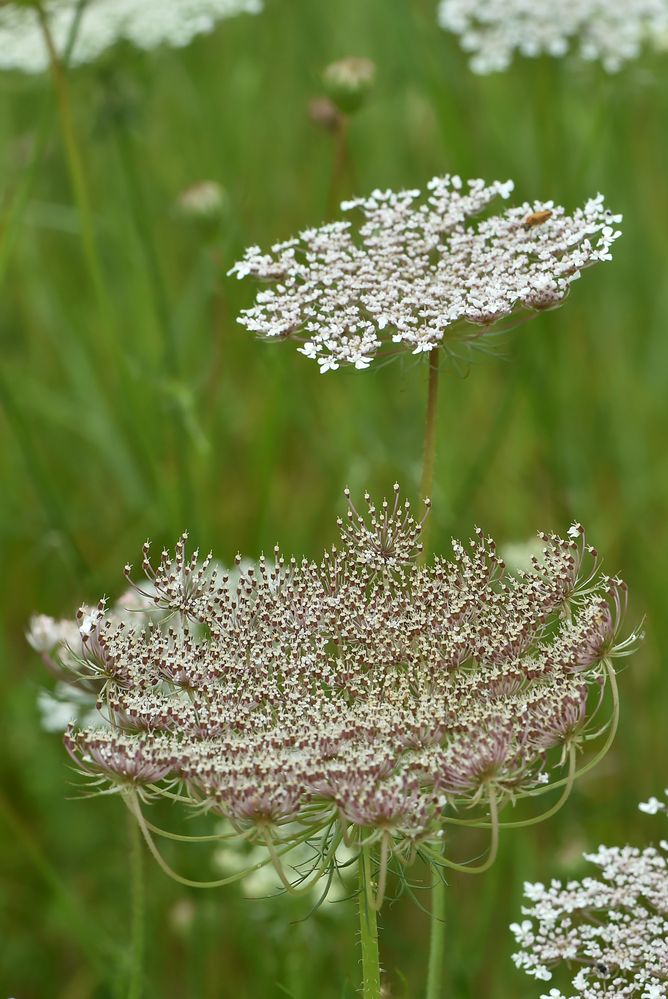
<point x="568" y="420"/>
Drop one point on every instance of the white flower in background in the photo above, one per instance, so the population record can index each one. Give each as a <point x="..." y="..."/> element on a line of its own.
<point x="609" y="31"/>
<point x="205" y="200"/>
<point x="613" y="928"/>
<point x="146" y="24"/>
<point x="65" y="644"/>
<point x="419" y="272"/>
<point x="653" y="806"/>
<point x="264" y="881"/>
<point x="65" y="705"/>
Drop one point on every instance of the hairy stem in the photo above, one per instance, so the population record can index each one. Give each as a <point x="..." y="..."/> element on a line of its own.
<point x="429" y="449"/>
<point x="368" y="929"/>
<point x="436" y="935"/>
<point x="436" y="940"/>
<point x="137" y="931"/>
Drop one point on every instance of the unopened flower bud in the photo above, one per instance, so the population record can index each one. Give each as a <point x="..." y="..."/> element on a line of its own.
<point x="348" y="82"/>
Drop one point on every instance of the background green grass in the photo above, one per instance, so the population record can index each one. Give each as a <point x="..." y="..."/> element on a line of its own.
<point x="568" y="421"/>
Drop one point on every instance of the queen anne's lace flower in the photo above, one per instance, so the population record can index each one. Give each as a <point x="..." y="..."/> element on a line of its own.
<point x="147" y="24"/>
<point x="612" y="31"/>
<point x="418" y="273"/>
<point x="613" y="929"/>
<point x="364" y="692"/>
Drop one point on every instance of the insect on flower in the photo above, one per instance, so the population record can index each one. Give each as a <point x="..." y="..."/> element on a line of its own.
<point x="537" y="218"/>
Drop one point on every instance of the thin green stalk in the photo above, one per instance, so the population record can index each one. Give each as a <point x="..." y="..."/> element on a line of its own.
<point x="342" y="163"/>
<point x="436" y="934"/>
<point x="429" y="447"/>
<point x="429" y="452"/>
<point x="137" y="932"/>
<point x="75" y="164"/>
<point x="436" y="940"/>
<point x="78" y="180"/>
<point x="163" y="315"/>
<point x="368" y="929"/>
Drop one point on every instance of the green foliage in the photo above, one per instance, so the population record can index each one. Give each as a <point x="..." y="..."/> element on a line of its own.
<point x="98" y="422"/>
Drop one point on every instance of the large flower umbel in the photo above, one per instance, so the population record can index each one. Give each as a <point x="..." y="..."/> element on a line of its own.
<point x="419" y="272"/>
<point x="364" y="698"/>
<point x="95" y="25"/>
<point x="609" y="31"/>
<point x="611" y="929"/>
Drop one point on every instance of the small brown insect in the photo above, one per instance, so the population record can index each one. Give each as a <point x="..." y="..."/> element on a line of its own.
<point x="537" y="218"/>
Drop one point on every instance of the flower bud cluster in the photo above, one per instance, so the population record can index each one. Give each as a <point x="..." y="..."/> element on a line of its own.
<point x="365" y="690"/>
<point x="103" y="23"/>
<point x="609" y="31"/>
<point x="418" y="272"/>
<point x="613" y="928"/>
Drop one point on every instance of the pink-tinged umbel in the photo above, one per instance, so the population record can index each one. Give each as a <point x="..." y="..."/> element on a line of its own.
<point x="365" y="698"/>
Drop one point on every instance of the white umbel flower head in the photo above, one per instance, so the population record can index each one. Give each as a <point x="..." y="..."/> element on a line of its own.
<point x="146" y="24"/>
<point x="613" y="928"/>
<point x="419" y="272"/>
<point x="609" y="31"/>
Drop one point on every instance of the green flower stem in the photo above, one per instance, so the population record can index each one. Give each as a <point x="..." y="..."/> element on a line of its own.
<point x="368" y="929"/>
<point x="429" y="452"/>
<point x="75" y="164"/>
<point x="436" y="934"/>
<point x="342" y="165"/>
<point x="436" y="939"/>
<point x="137" y="931"/>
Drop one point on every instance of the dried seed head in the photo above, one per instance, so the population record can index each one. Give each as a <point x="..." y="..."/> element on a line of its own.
<point x="418" y="272"/>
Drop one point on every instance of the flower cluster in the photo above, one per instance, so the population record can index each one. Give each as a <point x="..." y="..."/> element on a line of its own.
<point x="364" y="692"/>
<point x="613" y="928"/>
<point x="610" y="31"/>
<point x="419" y="273"/>
<point x="102" y="23"/>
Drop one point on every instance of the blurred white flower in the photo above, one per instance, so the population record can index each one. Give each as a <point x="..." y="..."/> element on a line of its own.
<point x="146" y="24"/>
<point x="653" y="806"/>
<point x="204" y="200"/>
<point x="45" y="633"/>
<point x="67" y="704"/>
<point x="609" y="31"/>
